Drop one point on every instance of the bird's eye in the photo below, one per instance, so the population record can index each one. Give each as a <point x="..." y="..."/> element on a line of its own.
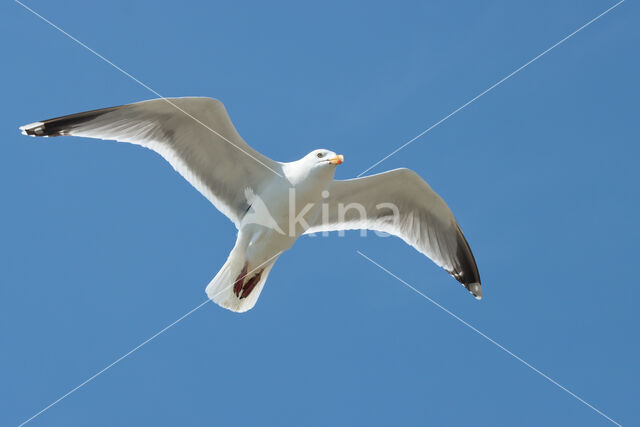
<point x="320" y="155"/>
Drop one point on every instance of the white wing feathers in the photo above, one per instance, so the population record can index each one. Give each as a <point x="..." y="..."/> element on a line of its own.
<point x="195" y="135"/>
<point x="423" y="219"/>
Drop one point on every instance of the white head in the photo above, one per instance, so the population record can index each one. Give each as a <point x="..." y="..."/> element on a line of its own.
<point x="319" y="164"/>
<point x="322" y="158"/>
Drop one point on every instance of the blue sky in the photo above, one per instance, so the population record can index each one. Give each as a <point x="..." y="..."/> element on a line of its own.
<point x="103" y="244"/>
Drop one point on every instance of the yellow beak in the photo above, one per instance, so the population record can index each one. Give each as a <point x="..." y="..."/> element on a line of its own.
<point x="337" y="160"/>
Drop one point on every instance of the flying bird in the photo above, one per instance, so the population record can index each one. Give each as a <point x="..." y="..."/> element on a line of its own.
<point x="273" y="203"/>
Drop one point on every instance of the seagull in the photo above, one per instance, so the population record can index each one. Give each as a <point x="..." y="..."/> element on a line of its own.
<point x="273" y="203"/>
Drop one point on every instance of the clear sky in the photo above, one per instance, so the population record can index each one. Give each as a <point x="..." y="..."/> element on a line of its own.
<point x="103" y="244"/>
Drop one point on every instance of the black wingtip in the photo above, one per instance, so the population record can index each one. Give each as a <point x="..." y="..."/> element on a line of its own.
<point x="475" y="289"/>
<point x="59" y="126"/>
<point x="466" y="269"/>
<point x="35" y="129"/>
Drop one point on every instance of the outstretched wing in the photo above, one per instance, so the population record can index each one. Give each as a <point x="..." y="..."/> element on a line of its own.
<point x="195" y="135"/>
<point x="401" y="203"/>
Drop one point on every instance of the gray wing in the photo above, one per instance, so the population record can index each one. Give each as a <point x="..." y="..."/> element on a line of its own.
<point x="401" y="203"/>
<point x="195" y="135"/>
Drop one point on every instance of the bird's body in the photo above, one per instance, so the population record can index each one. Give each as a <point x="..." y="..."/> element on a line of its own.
<point x="272" y="203"/>
<point x="268" y="229"/>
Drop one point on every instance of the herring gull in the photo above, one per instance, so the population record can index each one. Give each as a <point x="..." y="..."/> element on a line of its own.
<point x="273" y="203"/>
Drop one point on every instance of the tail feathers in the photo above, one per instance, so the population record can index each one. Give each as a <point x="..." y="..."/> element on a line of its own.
<point x="223" y="288"/>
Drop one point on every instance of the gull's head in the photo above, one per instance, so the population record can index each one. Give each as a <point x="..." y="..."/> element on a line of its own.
<point x="318" y="165"/>
<point x="322" y="158"/>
